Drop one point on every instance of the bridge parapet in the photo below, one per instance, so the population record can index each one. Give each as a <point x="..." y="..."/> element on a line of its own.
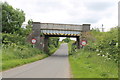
<point x="85" y="27"/>
<point x="69" y="27"/>
<point x="64" y="27"/>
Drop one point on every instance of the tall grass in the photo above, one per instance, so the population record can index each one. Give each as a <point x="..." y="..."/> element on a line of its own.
<point x="0" y="58"/>
<point x="16" y="51"/>
<point x="15" y="55"/>
<point x="99" y="58"/>
<point x="87" y="64"/>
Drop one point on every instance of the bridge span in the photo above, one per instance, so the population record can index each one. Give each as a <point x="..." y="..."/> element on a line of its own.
<point x="42" y="31"/>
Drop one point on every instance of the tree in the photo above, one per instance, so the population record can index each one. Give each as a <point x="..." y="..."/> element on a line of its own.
<point x="12" y="19"/>
<point x="66" y="40"/>
<point x="26" y="30"/>
<point x="95" y="29"/>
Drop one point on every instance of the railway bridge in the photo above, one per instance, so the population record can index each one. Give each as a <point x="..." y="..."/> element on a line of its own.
<point x="42" y="31"/>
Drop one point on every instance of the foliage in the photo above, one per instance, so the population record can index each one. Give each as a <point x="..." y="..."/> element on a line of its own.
<point x="13" y="51"/>
<point x="53" y="41"/>
<point x="53" y="44"/>
<point x="25" y="31"/>
<point x="19" y="55"/>
<point x="12" y="38"/>
<point x="28" y="28"/>
<point x="72" y="47"/>
<point x="86" y="64"/>
<point x="105" y="43"/>
<point x="66" y="40"/>
<point x="99" y="59"/>
<point x="12" y="19"/>
<point x="15" y="48"/>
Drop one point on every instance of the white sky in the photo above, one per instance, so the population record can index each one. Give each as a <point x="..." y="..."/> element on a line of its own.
<point x="94" y="12"/>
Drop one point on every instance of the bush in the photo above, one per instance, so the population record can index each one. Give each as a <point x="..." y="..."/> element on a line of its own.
<point x="67" y="40"/>
<point x="53" y="44"/>
<point x="106" y="43"/>
<point x="13" y="38"/>
<point x="13" y="51"/>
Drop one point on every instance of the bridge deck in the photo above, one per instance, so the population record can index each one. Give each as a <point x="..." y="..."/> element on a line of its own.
<point x="60" y="29"/>
<point x="53" y="26"/>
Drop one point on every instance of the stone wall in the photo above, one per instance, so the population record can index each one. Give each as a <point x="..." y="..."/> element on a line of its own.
<point x="85" y="27"/>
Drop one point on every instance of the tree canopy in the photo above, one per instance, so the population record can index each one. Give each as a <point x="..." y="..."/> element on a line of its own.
<point x="12" y="19"/>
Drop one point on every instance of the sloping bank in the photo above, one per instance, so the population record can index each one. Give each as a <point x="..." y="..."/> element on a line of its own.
<point x="88" y="64"/>
<point x="17" y="54"/>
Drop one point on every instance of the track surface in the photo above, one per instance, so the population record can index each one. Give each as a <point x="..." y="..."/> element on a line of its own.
<point x="55" y="66"/>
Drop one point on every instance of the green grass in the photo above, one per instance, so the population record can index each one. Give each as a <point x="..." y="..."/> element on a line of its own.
<point x="0" y="59"/>
<point x="70" y="46"/>
<point x="18" y="62"/>
<point x="17" y="55"/>
<point x="13" y="56"/>
<point x="86" y="64"/>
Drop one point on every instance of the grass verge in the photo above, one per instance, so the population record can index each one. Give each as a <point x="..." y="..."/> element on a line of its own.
<point x="13" y="56"/>
<point x="86" y="64"/>
<point x="18" y="62"/>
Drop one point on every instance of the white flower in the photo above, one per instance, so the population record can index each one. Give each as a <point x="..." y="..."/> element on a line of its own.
<point x="97" y="50"/>
<point x="116" y="44"/>
<point x="107" y="53"/>
<point x="98" y="54"/>
<point x="109" y="58"/>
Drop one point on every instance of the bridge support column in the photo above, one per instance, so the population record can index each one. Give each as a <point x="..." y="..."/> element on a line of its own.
<point x="35" y="34"/>
<point x="46" y="44"/>
<point x="78" y="42"/>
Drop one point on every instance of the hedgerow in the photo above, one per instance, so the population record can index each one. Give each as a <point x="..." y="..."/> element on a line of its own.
<point x="104" y="43"/>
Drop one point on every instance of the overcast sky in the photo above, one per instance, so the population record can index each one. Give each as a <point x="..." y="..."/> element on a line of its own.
<point x="94" y="12"/>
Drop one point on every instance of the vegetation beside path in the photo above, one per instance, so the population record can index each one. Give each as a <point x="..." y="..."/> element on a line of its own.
<point x="14" y="54"/>
<point x="15" y="49"/>
<point x="86" y="64"/>
<point x="98" y="59"/>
